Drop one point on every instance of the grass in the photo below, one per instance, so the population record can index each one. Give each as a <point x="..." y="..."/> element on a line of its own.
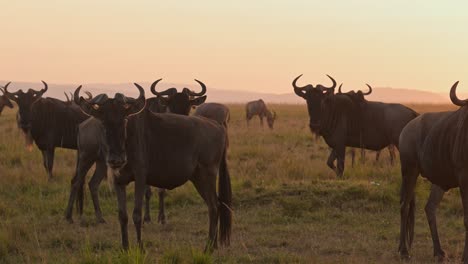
<point x="289" y="207"/>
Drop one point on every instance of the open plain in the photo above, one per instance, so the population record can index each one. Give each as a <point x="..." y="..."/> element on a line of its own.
<point x="289" y="207"/>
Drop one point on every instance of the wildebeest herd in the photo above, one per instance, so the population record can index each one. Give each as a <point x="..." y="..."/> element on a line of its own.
<point x="155" y="142"/>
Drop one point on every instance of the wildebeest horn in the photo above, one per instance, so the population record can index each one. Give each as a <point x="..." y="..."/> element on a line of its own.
<point x="454" y="98"/>
<point x="334" y="83"/>
<point x="297" y="89"/>
<point x="90" y="95"/>
<point x="339" y="88"/>
<point x="370" y="90"/>
<point x="140" y="102"/>
<point x="202" y="92"/>
<point x="46" y="87"/>
<point x="66" y="95"/>
<point x="169" y="91"/>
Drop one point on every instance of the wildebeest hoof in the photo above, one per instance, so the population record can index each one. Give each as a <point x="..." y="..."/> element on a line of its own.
<point x="405" y="256"/>
<point x="69" y="219"/>
<point x="440" y="256"/>
<point x="147" y="219"/>
<point x="100" y="220"/>
<point x="162" y="220"/>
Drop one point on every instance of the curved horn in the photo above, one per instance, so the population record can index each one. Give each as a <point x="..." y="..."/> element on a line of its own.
<point x="76" y="95"/>
<point x="370" y="90"/>
<point x="297" y="89"/>
<point x="454" y="98"/>
<point x="140" y="102"/>
<point x="46" y="87"/>
<point x="90" y="95"/>
<point x="153" y="89"/>
<point x="202" y="92"/>
<point x="339" y="88"/>
<point x="334" y="83"/>
<point x="66" y="96"/>
<point x="6" y="88"/>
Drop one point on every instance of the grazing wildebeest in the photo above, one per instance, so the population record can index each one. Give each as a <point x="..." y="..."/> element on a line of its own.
<point x="259" y="108"/>
<point x="4" y="101"/>
<point x="162" y="150"/>
<point x="48" y="122"/>
<point x="352" y="121"/>
<point x="91" y="150"/>
<point x="434" y="145"/>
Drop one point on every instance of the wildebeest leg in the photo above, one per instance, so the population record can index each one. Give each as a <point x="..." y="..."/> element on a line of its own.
<point x="409" y="174"/>
<point x="363" y="156"/>
<point x="261" y="119"/>
<point x="205" y="183"/>
<point x="140" y="188"/>
<point x="77" y="182"/>
<point x="353" y="156"/>
<point x="340" y="156"/>
<point x="432" y="203"/>
<point x="120" y="190"/>
<point x="331" y="160"/>
<point x="391" y="151"/>
<point x="377" y="155"/>
<point x="463" y="179"/>
<point x="147" y="217"/>
<point x="161" y="214"/>
<point x="99" y="174"/>
<point x="48" y="158"/>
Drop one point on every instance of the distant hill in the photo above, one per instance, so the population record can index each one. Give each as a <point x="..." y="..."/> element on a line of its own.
<point x="384" y="94"/>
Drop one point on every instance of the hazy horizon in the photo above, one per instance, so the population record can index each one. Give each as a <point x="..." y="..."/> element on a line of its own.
<point x="256" y="46"/>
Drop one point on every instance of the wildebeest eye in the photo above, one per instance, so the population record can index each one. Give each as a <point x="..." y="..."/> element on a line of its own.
<point x="95" y="106"/>
<point x="126" y="106"/>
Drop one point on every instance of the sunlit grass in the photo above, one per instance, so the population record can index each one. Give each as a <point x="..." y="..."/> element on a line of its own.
<point x="289" y="207"/>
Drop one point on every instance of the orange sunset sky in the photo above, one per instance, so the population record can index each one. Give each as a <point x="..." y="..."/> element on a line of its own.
<point x="241" y="45"/>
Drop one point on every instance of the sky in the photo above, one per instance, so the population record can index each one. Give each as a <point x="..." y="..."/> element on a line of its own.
<point x="238" y="45"/>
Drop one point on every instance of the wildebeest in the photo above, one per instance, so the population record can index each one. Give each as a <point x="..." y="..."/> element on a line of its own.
<point x="216" y="111"/>
<point x="91" y="150"/>
<point x="358" y="98"/>
<point x="435" y="146"/>
<point x="344" y="120"/>
<point x="162" y="150"/>
<point x="48" y="122"/>
<point x="4" y="101"/>
<point x="259" y="108"/>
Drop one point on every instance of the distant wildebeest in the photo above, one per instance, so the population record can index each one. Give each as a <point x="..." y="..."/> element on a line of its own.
<point x="162" y="150"/>
<point x="4" y="101"/>
<point x="48" y="122"/>
<point x="259" y="108"/>
<point x="435" y="146"/>
<point x="91" y="150"/>
<point x="344" y="120"/>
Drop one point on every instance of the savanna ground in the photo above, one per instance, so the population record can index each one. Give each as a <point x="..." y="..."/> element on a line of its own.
<point x="289" y="207"/>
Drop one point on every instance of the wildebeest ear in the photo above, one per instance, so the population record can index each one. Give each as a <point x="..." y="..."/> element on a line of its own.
<point x="198" y="101"/>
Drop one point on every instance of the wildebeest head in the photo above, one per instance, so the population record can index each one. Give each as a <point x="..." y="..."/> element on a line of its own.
<point x="271" y="117"/>
<point x="314" y="97"/>
<point x="24" y="100"/>
<point x="4" y="101"/>
<point x="180" y="103"/>
<point x="113" y="113"/>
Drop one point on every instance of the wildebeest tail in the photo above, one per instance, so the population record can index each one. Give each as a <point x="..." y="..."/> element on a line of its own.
<point x="225" y="202"/>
